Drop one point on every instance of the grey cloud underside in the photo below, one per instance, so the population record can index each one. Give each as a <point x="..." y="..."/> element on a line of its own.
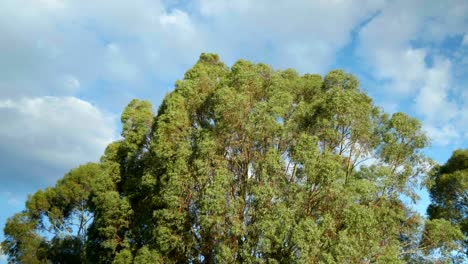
<point x="41" y="138"/>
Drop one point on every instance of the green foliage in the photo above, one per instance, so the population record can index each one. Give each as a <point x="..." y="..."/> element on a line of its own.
<point x="449" y="195"/>
<point x="21" y="244"/>
<point x="63" y="212"/>
<point x="241" y="165"/>
<point x="442" y="235"/>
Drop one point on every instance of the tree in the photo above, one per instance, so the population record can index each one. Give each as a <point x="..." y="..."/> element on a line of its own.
<point x="449" y="194"/>
<point x="117" y="191"/>
<point x="247" y="164"/>
<point x="60" y="213"/>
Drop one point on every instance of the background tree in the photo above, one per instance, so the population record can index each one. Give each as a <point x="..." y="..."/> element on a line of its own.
<point x="449" y="193"/>
<point x="54" y="225"/>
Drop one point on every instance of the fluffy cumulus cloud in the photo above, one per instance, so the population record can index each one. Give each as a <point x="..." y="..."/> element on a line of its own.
<point x="56" y="51"/>
<point x="404" y="46"/>
<point x="45" y="135"/>
<point x="57" y="47"/>
<point x="302" y="34"/>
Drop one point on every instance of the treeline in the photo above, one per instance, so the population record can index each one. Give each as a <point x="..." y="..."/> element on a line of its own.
<point x="247" y="165"/>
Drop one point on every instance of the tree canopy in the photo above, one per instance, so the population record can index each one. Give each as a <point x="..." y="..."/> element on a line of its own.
<point x="449" y="193"/>
<point x="244" y="164"/>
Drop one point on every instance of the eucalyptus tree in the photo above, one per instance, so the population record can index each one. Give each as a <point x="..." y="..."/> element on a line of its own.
<point x="247" y="164"/>
<point x="449" y="196"/>
<point x="54" y="225"/>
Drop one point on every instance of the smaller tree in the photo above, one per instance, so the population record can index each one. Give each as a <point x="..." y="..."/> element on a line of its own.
<point x="54" y="225"/>
<point x="449" y="196"/>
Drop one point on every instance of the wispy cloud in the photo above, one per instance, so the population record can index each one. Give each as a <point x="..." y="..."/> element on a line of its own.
<point x="399" y="45"/>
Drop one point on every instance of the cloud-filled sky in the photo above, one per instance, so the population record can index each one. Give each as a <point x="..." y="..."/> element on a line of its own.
<point x="67" y="68"/>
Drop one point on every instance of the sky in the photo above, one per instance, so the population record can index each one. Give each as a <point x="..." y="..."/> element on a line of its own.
<point x="68" y="68"/>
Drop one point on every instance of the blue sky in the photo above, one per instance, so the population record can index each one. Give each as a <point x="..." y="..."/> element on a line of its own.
<point x="67" y="68"/>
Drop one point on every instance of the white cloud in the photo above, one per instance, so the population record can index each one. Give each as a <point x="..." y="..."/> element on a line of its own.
<point x="64" y="48"/>
<point x="55" y="40"/>
<point x="119" y="65"/>
<point x="301" y="34"/>
<point x="72" y="83"/>
<point x="442" y="136"/>
<point x="47" y="45"/>
<point x="51" y="132"/>
<point x="404" y="67"/>
<point x="52" y="4"/>
<point x="118" y="50"/>
<point x="176" y="18"/>
<point x="432" y="100"/>
<point x="417" y="71"/>
<point x="465" y="40"/>
<point x="12" y="200"/>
